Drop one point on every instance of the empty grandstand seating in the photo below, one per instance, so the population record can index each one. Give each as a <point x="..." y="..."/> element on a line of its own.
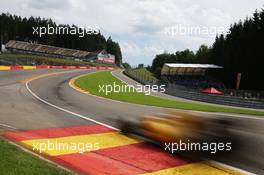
<point x="45" y="49"/>
<point x="193" y="75"/>
<point x="194" y="81"/>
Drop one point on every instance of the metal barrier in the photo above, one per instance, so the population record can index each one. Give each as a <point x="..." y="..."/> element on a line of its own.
<point x="217" y="99"/>
<point x="197" y="95"/>
<point x="141" y="78"/>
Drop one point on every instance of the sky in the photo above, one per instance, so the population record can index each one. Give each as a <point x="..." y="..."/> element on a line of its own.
<point x="143" y="28"/>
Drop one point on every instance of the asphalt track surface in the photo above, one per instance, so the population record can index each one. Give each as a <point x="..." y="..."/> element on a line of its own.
<point x="20" y="110"/>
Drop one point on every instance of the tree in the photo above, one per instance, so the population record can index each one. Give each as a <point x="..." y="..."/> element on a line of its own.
<point x="114" y="48"/>
<point x="14" y="27"/>
<point x="239" y="51"/>
<point x="186" y="56"/>
<point x="203" y="54"/>
<point x="126" y="65"/>
<point x="140" y="66"/>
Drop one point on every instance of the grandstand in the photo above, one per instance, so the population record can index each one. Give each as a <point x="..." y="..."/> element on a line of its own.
<point x="32" y="48"/>
<point x="190" y="81"/>
<point x="191" y="75"/>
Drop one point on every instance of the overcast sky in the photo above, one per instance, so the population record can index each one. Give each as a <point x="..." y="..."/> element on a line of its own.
<point x="143" y="28"/>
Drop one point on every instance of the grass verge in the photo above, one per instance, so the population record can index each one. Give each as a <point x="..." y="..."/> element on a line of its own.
<point x="15" y="161"/>
<point x="91" y="83"/>
<point x="143" y="72"/>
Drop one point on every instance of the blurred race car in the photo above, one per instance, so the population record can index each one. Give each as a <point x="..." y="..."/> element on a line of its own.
<point x="179" y="126"/>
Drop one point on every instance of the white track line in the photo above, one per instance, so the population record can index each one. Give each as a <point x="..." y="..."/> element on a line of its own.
<point x="118" y="77"/>
<point x="67" y="111"/>
<point x="100" y="123"/>
<point x="8" y="126"/>
<point x="231" y="167"/>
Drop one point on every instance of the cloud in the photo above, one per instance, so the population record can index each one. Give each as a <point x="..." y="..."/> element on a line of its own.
<point x="49" y="4"/>
<point x="138" y="24"/>
<point x="140" y="54"/>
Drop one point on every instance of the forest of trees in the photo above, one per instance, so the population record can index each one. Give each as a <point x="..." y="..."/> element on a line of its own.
<point x="14" y="27"/>
<point x="239" y="51"/>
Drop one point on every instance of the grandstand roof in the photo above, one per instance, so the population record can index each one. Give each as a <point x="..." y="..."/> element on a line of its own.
<point x="205" y="66"/>
<point x="186" y="69"/>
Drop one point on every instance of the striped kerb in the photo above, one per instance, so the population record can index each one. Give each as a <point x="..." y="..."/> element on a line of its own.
<point x="117" y="153"/>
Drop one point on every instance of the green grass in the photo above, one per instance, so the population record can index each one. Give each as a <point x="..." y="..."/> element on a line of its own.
<point x="144" y="72"/>
<point x="141" y="74"/>
<point x="91" y="83"/>
<point x="14" y="161"/>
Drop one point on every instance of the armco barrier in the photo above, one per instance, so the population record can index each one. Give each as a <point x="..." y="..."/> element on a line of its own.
<point x="4" y="67"/>
<point x="15" y="67"/>
<point x="69" y="67"/>
<point x="101" y="68"/>
<point x="85" y="67"/>
<point x="29" y="67"/>
<point x="82" y="67"/>
<point x="217" y="99"/>
<point x="42" y="67"/>
<point x="56" y="67"/>
<point x="190" y="94"/>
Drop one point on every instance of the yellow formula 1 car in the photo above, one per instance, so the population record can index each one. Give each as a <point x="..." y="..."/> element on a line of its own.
<point x="178" y="126"/>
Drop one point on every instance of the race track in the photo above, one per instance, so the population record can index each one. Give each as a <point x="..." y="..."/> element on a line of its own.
<point x="30" y="101"/>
